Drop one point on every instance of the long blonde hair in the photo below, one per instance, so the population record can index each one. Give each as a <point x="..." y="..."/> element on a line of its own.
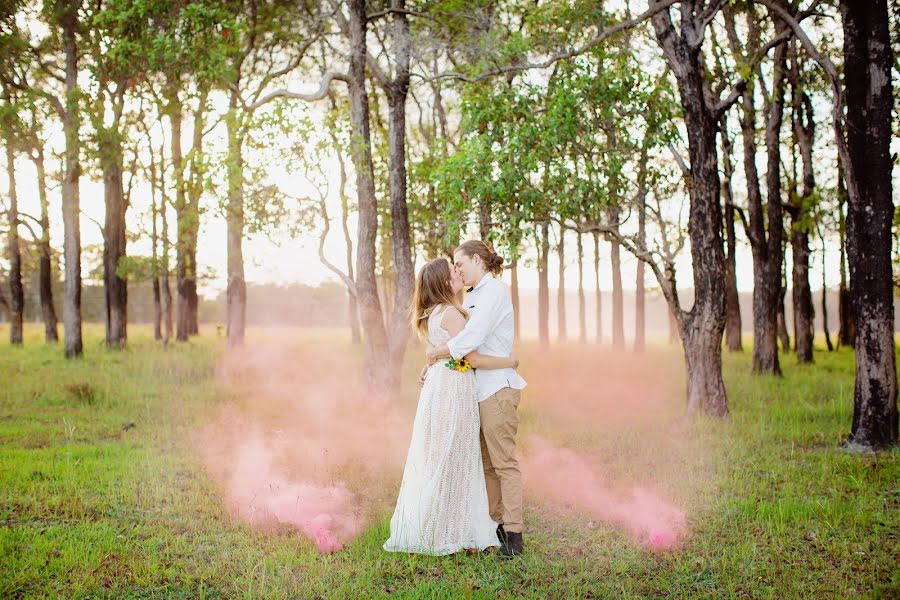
<point x="432" y="290"/>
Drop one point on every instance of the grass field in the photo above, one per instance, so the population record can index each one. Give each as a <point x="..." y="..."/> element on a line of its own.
<point x="103" y="492"/>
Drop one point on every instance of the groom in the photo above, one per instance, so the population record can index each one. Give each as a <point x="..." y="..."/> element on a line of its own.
<point x="490" y="331"/>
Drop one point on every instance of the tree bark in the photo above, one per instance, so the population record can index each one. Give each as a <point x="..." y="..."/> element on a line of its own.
<point x="702" y="327"/>
<point x="236" y="294"/>
<point x="397" y="92"/>
<point x="582" y="315"/>
<point x="846" y="322"/>
<point x="352" y="306"/>
<point x="640" y="317"/>
<point x="154" y="243"/>
<point x="598" y="299"/>
<point x="765" y="242"/>
<point x="71" y="201"/>
<point x="114" y="243"/>
<point x="514" y="293"/>
<point x="804" y="313"/>
<point x="374" y="334"/>
<point x="16" y="291"/>
<point x="544" y="287"/>
<point x="825" y="328"/>
<point x="732" y="299"/>
<point x="781" y="319"/>
<point x="867" y="74"/>
<point x="192" y="217"/>
<point x="615" y="263"/>
<point x="561" y="333"/>
<point x="48" y="311"/>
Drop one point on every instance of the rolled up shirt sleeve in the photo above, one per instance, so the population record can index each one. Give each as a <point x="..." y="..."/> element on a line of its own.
<point x="479" y="325"/>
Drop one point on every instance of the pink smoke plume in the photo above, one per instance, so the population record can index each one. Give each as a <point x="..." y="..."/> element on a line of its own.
<point x="563" y="477"/>
<point x="260" y="493"/>
<point x="302" y="444"/>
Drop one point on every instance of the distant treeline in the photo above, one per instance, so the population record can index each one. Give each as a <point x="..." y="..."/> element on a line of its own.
<point x="294" y="304"/>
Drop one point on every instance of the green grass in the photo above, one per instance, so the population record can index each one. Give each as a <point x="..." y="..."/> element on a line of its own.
<point x="103" y="495"/>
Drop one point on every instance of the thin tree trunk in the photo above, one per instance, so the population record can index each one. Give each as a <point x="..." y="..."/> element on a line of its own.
<point x="598" y="299"/>
<point x="544" y="287"/>
<point x="846" y="322"/>
<point x="400" y="235"/>
<point x="374" y="334"/>
<point x="804" y="313"/>
<point x="732" y="299"/>
<point x="70" y="191"/>
<point x="825" y="329"/>
<point x="781" y="320"/>
<point x="615" y="263"/>
<point x="640" y="317"/>
<point x="192" y="216"/>
<point x="236" y="294"/>
<point x="182" y="305"/>
<point x="867" y="74"/>
<point x="352" y="306"/>
<point x="48" y="312"/>
<point x="765" y="242"/>
<point x="114" y="248"/>
<point x="154" y="243"/>
<point x="561" y="287"/>
<point x="167" y="308"/>
<point x="582" y="310"/>
<point x="16" y="291"/>
<point x="514" y="293"/>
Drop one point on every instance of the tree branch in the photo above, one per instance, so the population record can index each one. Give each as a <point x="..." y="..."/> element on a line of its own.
<point x="319" y="94"/>
<point x="549" y="62"/>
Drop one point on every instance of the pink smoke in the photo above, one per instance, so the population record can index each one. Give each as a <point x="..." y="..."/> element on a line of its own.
<point x="562" y="477"/>
<point x="260" y="493"/>
<point x="300" y="443"/>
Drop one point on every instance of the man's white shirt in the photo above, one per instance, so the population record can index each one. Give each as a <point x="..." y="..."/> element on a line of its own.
<point x="490" y="330"/>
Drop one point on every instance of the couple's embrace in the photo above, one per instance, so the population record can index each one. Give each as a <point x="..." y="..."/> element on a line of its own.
<point x="462" y="489"/>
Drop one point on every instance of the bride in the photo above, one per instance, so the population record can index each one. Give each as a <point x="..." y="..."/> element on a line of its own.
<point x="442" y="507"/>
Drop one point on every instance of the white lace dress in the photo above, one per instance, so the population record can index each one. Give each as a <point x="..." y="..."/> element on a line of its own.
<point x="442" y="507"/>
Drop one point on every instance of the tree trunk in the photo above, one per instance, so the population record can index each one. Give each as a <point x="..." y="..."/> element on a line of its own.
<point x="732" y="299"/>
<point x="561" y="287"/>
<point x="615" y="263"/>
<point x="168" y="324"/>
<point x="352" y="306"/>
<point x="640" y="317"/>
<point x="867" y="73"/>
<point x="781" y="321"/>
<point x="765" y="245"/>
<point x="598" y="299"/>
<point x="374" y="334"/>
<point x="846" y="322"/>
<point x="804" y="313"/>
<point x="703" y="326"/>
<point x="192" y="217"/>
<point x="154" y="243"/>
<point x="404" y="278"/>
<point x="825" y="329"/>
<point x="16" y="292"/>
<point x="544" y="287"/>
<point x="114" y="246"/>
<point x="48" y="311"/>
<point x="71" y="201"/>
<point x="182" y="304"/>
<point x="514" y="293"/>
<point x="236" y="311"/>
<point x="582" y="315"/>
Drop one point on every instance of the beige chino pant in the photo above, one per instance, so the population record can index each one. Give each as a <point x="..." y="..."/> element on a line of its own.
<point x="499" y="423"/>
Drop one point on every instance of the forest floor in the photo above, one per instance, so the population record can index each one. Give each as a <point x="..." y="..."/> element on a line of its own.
<point x="105" y="490"/>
